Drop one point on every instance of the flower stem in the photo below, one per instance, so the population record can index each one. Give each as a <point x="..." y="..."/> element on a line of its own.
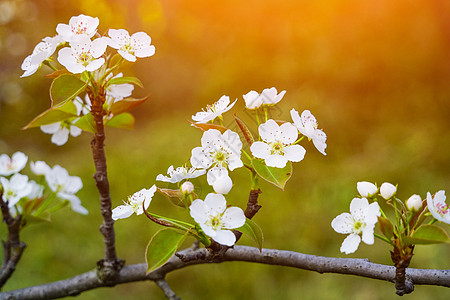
<point x="383" y="238"/>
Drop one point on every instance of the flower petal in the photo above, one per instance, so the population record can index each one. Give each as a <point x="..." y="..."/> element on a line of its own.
<point x="350" y="244"/>
<point x="358" y="208"/>
<point x="122" y="212"/>
<point x="343" y="223"/>
<point x="225" y="237"/>
<point x="233" y="218"/>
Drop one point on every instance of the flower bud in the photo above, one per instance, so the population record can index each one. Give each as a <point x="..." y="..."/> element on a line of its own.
<point x="387" y="190"/>
<point x="187" y="187"/>
<point x="222" y="185"/>
<point x="414" y="203"/>
<point x="366" y="189"/>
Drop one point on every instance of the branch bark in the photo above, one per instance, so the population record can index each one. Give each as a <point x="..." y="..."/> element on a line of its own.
<point x="349" y="266"/>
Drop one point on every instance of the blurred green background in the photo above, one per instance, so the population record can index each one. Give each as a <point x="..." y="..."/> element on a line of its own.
<point x="376" y="74"/>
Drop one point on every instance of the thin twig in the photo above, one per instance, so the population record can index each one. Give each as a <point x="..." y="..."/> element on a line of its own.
<point x="168" y="292"/>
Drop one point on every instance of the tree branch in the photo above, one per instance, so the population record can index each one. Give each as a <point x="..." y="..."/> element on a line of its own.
<point x="349" y="266"/>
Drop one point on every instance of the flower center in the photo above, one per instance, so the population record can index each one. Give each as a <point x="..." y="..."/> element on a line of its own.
<point x="220" y="158"/>
<point x="277" y="148"/>
<point x="358" y="227"/>
<point x="79" y="28"/>
<point x="84" y="57"/>
<point x="215" y="223"/>
<point x="128" y="48"/>
<point x="443" y="209"/>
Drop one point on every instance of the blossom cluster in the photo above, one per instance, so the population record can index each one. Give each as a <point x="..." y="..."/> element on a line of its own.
<point x="18" y="188"/>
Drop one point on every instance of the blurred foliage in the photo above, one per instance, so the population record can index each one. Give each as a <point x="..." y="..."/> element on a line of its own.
<point x="375" y="74"/>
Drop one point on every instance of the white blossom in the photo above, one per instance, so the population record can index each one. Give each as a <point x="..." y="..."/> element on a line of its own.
<point x="213" y="111"/>
<point x="12" y="165"/>
<point x="80" y="25"/>
<point x="130" y="47"/>
<point x="42" y="51"/>
<point x="277" y="147"/>
<point x="307" y="125"/>
<point x="40" y="167"/>
<point x="438" y="208"/>
<point x="218" y="178"/>
<point x="60" y="131"/>
<point x="387" y="190"/>
<point x="135" y="204"/>
<point x="366" y="189"/>
<point x="83" y="54"/>
<point x="14" y="189"/>
<point x="65" y="187"/>
<point x="360" y="221"/>
<point x="179" y="174"/>
<point x="215" y="219"/>
<point x="221" y="150"/>
<point x="268" y="97"/>
<point x="414" y="202"/>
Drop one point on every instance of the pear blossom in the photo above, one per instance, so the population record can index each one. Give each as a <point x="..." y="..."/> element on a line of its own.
<point x="130" y="47"/>
<point x="307" y="125"/>
<point x="213" y="111"/>
<point x="80" y="25"/>
<point x="65" y="187"/>
<point x="117" y="92"/>
<point x="60" y="131"/>
<point x="218" y="178"/>
<point x="222" y="150"/>
<point x="387" y="190"/>
<point x="14" y="189"/>
<point x="42" y="51"/>
<point x="134" y="204"/>
<point x="83" y="54"/>
<point x="179" y="174"/>
<point x="12" y="165"/>
<point x="40" y="167"/>
<point x="215" y="219"/>
<point x="360" y="221"/>
<point x="414" y="202"/>
<point x="438" y="208"/>
<point x="366" y="189"/>
<point x="253" y="100"/>
<point x="277" y="147"/>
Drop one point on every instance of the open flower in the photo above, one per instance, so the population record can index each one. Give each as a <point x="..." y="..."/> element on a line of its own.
<point x="438" y="208"/>
<point x="15" y="189"/>
<point x="220" y="181"/>
<point x="41" y="52"/>
<point x="216" y="219"/>
<point x="79" y="25"/>
<point x="222" y="150"/>
<point x="12" y="165"/>
<point x="307" y="125"/>
<point x="60" y="131"/>
<point x="360" y="221"/>
<point x="268" y="97"/>
<point x="180" y="173"/>
<point x="130" y="47"/>
<point x="83" y="54"/>
<point x="213" y="111"/>
<point x="134" y="204"/>
<point x="277" y="148"/>
<point x="65" y="187"/>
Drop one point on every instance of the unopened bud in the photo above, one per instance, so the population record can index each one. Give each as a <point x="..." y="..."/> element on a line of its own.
<point x="387" y="190"/>
<point x="414" y="203"/>
<point x="366" y="189"/>
<point x="187" y="187"/>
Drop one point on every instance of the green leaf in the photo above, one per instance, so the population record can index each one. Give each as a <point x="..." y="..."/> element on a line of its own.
<point x="251" y="229"/>
<point x="87" y="123"/>
<point x="122" y="80"/>
<point x="428" y="234"/>
<point x="126" y="105"/>
<point x="54" y="114"/>
<point x="65" y="87"/>
<point x="31" y="219"/>
<point x="124" y="120"/>
<point x="386" y="227"/>
<point x="276" y="176"/>
<point x="162" y="246"/>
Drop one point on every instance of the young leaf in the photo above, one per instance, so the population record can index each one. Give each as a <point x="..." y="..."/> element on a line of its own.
<point x="386" y="227"/>
<point x="245" y="131"/>
<point x="251" y="229"/>
<point x="124" y="120"/>
<point x="122" y="80"/>
<point x="277" y="176"/>
<point x="207" y="126"/>
<point x="126" y="105"/>
<point x="64" y="88"/>
<point x="87" y="123"/>
<point x="428" y="234"/>
<point x="162" y="246"/>
<point x="54" y="114"/>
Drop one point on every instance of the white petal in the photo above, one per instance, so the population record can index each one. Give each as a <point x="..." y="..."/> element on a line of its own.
<point x="75" y="131"/>
<point x="260" y="150"/>
<point x="51" y="128"/>
<point x="127" y="56"/>
<point x="95" y="64"/>
<point x="98" y="47"/>
<point x="367" y="234"/>
<point x="145" y="52"/>
<point x="277" y="161"/>
<point x="252" y="100"/>
<point x="233" y="217"/>
<point x="122" y="212"/>
<point x="371" y="213"/>
<point x="269" y="131"/>
<point x="319" y="140"/>
<point x="358" y="207"/>
<point x="289" y="133"/>
<point x="294" y="153"/>
<point x="225" y="237"/>
<point x="215" y="173"/>
<point x="60" y="137"/>
<point x="350" y="244"/>
<point x="215" y="203"/>
<point x="39" y="168"/>
<point x="198" y="211"/>
<point x="199" y="159"/>
<point x="343" y="223"/>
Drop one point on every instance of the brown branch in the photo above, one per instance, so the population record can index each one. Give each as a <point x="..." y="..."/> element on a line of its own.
<point x="349" y="266"/>
<point x="13" y="247"/>
<point x="110" y="265"/>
